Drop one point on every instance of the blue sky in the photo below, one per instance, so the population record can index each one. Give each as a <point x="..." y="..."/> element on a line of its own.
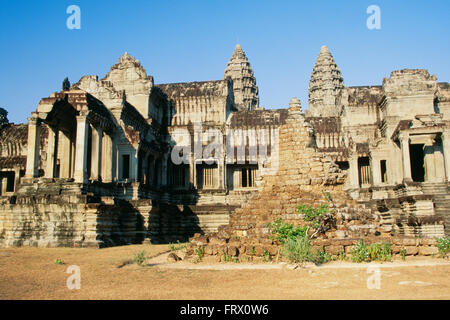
<point x="179" y="41"/>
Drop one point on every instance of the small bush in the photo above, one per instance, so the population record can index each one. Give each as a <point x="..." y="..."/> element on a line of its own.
<point x="176" y="247"/>
<point x="443" y="245"/>
<point x="298" y="249"/>
<point x="226" y="257"/>
<point x="140" y="258"/>
<point x="322" y="257"/>
<point x="313" y="215"/>
<point x="200" y="252"/>
<point x="403" y="254"/>
<point x="373" y="252"/>
<point x="59" y="261"/>
<point x="284" y="231"/>
<point x="360" y="252"/>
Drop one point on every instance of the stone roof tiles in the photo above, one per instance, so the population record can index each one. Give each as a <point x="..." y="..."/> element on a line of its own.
<point x="194" y="89"/>
<point x="253" y="118"/>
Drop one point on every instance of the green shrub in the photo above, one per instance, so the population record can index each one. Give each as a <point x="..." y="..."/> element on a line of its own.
<point x="443" y="245"/>
<point x="200" y="252"/>
<point x="140" y="258"/>
<point x="373" y="252"/>
<point x="59" y="261"/>
<point x="176" y="247"/>
<point x="284" y="231"/>
<point x="313" y="215"/>
<point x="403" y="254"/>
<point x="360" y="253"/>
<point x="298" y="249"/>
<point x="322" y="257"/>
<point x="226" y="257"/>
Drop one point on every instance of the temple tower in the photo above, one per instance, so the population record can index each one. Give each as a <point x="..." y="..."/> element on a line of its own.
<point x="325" y="86"/>
<point x="244" y="82"/>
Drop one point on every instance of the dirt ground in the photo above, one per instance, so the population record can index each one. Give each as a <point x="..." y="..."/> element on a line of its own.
<point x="31" y="273"/>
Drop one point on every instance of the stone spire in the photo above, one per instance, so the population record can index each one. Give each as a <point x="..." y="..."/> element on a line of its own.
<point x="244" y="82"/>
<point x="325" y="86"/>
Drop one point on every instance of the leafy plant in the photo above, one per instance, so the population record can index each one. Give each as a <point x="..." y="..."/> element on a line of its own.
<point x="443" y="245"/>
<point x="373" y="252"/>
<point x="59" y="261"/>
<point x="297" y="249"/>
<point x="320" y="219"/>
<point x="200" y="252"/>
<point x="403" y="254"/>
<point x="342" y="256"/>
<point x="226" y="257"/>
<point x="266" y="256"/>
<point x="140" y="258"/>
<point x="360" y="252"/>
<point x="322" y="257"/>
<point x="176" y="247"/>
<point x="284" y="231"/>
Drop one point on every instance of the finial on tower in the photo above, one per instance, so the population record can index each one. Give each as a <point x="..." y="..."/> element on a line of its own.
<point x="295" y="104"/>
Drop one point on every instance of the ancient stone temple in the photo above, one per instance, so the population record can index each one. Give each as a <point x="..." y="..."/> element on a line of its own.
<point x="124" y="160"/>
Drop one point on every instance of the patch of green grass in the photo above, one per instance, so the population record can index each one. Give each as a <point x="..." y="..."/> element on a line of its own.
<point x="200" y="252"/>
<point x="403" y="254"/>
<point x="59" y="261"/>
<point x="297" y="250"/>
<point x="140" y="258"/>
<point x="443" y="245"/>
<point x="373" y="252"/>
<point x="177" y="247"/>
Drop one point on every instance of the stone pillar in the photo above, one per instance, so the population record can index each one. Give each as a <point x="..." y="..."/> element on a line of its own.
<point x="439" y="163"/>
<point x="96" y="158"/>
<point x="33" y="148"/>
<point x="376" y="171"/>
<point x="80" y="174"/>
<point x="404" y="140"/>
<point x="52" y="141"/>
<point x="192" y="176"/>
<point x="430" y="171"/>
<point x="353" y="172"/>
<point x="106" y="159"/>
<point x="4" y="186"/>
<point x="446" y="147"/>
<point x="65" y="155"/>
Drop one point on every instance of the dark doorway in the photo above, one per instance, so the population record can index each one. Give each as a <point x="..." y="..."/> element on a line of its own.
<point x="416" y="156"/>
<point x="125" y="166"/>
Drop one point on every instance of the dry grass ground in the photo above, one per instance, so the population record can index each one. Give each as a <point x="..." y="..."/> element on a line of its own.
<point x="31" y="273"/>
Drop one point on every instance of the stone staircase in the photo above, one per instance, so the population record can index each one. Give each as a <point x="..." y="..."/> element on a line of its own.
<point x="441" y="201"/>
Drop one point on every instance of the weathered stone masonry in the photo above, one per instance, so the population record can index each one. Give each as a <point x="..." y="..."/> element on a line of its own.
<point x="93" y="165"/>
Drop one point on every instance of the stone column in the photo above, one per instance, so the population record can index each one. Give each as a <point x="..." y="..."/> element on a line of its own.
<point x="65" y="155"/>
<point x="376" y="171"/>
<point x="106" y="159"/>
<point x="430" y="171"/>
<point x="404" y="140"/>
<point x="33" y="148"/>
<point x="439" y="164"/>
<point x="353" y="172"/>
<point x="96" y="158"/>
<point x="51" y="148"/>
<point x="80" y="174"/>
<point x="446" y="147"/>
<point x="4" y="185"/>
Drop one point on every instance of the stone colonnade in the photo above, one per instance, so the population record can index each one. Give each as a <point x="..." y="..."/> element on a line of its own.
<point x="68" y="155"/>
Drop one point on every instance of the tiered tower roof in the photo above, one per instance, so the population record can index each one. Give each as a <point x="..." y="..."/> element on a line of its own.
<point x="244" y="82"/>
<point x="325" y="86"/>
